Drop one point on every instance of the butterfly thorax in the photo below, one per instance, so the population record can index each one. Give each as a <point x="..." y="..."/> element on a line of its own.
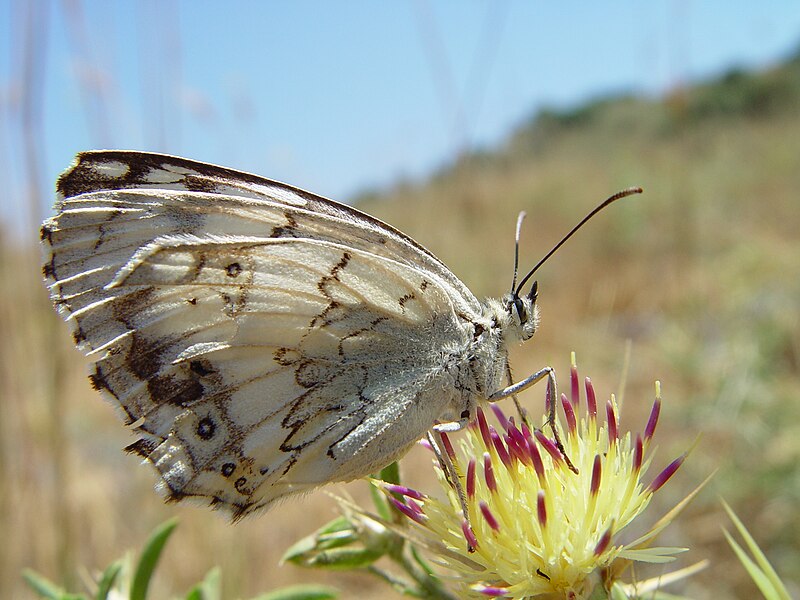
<point x="483" y="366"/>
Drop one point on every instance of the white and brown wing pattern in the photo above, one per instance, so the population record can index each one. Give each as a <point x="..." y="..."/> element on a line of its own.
<point x="259" y="340"/>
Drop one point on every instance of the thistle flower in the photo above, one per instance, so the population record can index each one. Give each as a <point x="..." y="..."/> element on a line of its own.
<point x="534" y="527"/>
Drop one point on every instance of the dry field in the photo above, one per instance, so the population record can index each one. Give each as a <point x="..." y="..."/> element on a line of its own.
<point x="696" y="283"/>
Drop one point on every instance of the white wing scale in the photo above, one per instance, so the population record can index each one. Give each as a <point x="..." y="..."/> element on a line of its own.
<point x="293" y="350"/>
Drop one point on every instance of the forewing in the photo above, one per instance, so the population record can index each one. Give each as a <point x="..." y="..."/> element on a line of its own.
<point x="251" y="367"/>
<point x="252" y="205"/>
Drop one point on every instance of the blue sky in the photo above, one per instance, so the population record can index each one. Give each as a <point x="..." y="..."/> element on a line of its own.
<point x="338" y="97"/>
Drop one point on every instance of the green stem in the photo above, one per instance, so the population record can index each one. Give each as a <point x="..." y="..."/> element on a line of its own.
<point x="429" y="586"/>
<point x="398" y="584"/>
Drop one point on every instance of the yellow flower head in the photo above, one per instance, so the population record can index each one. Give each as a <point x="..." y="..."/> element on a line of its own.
<point x="535" y="528"/>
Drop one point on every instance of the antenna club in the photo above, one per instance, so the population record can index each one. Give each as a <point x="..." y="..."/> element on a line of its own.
<point x="626" y="192"/>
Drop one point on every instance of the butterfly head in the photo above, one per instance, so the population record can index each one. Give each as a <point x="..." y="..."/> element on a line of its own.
<point x="523" y="314"/>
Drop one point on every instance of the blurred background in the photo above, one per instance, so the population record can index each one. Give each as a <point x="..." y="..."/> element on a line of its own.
<point x="444" y="119"/>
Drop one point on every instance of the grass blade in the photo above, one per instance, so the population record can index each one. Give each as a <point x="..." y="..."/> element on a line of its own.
<point x="149" y="559"/>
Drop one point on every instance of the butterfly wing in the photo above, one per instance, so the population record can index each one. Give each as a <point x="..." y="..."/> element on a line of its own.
<point x="254" y="352"/>
<point x="262" y="207"/>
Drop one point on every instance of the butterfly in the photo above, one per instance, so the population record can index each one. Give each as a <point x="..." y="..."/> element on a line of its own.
<point x="261" y="340"/>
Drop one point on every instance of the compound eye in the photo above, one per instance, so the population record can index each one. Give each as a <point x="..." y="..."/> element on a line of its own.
<point x="520" y="308"/>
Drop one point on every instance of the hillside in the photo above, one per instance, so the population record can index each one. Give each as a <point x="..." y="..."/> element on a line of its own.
<point x="700" y="275"/>
<point x="696" y="283"/>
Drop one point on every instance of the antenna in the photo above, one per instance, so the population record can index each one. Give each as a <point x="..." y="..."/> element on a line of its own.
<point x="520" y="219"/>
<point x="619" y="195"/>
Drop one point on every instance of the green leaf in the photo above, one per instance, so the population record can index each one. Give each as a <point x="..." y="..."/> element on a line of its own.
<point x="351" y="542"/>
<point x="422" y="562"/>
<point x="761" y="579"/>
<point x="339" y="532"/>
<point x="340" y="559"/>
<point x="107" y="580"/>
<point x="379" y="500"/>
<point x="758" y="567"/>
<point x="149" y="559"/>
<point x="390" y="474"/>
<point x="301" y="592"/>
<point x="46" y="588"/>
<point x="208" y="589"/>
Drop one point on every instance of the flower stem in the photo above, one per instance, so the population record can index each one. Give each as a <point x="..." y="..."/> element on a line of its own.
<point x="429" y="586"/>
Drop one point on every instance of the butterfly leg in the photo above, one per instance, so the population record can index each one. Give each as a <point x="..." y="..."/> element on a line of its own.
<point x="451" y="426"/>
<point x="515" y="388"/>
<point x="451" y="473"/>
<point x="522" y="412"/>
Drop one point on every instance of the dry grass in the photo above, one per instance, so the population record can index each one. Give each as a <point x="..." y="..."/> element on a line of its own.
<point x="701" y="276"/>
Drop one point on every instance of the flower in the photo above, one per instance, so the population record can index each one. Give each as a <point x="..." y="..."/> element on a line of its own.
<point x="534" y="527"/>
